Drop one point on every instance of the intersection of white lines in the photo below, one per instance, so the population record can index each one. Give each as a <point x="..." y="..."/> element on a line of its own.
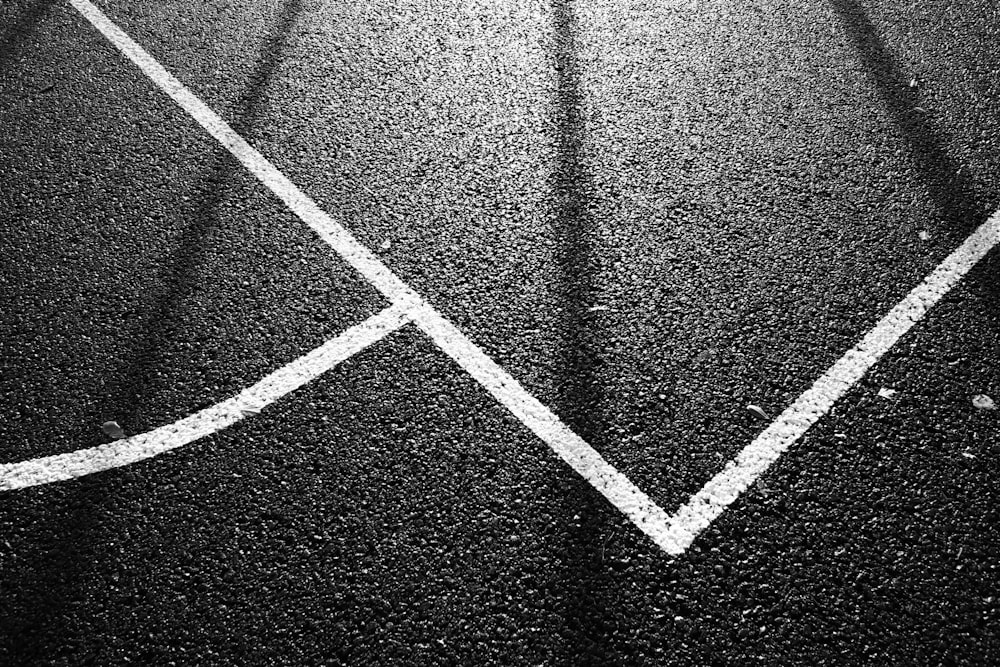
<point x="671" y="532"/>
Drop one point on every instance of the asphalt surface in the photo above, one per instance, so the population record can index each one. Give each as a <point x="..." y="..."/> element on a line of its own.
<point x="741" y="189"/>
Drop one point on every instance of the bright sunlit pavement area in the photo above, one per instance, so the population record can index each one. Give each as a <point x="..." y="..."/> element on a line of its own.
<point x="499" y="333"/>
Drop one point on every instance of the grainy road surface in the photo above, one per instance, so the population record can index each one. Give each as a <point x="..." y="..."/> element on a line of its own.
<point x="649" y="214"/>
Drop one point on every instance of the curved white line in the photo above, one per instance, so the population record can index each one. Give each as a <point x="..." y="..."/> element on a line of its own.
<point x="622" y="493"/>
<point x="251" y="400"/>
<point x="672" y="533"/>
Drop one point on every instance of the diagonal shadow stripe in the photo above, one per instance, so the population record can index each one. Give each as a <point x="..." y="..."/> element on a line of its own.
<point x="954" y="195"/>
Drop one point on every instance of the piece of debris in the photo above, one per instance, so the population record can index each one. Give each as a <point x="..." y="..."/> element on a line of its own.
<point x="594" y="309"/>
<point x="969" y="455"/>
<point x="248" y="410"/>
<point x="113" y="429"/>
<point x="759" y="411"/>
<point x="924" y="235"/>
<point x="46" y="88"/>
<point x="385" y="245"/>
<point x="885" y="392"/>
<point x="983" y="402"/>
<point x="914" y="83"/>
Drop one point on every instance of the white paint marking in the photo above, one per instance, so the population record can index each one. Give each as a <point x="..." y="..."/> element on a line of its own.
<point x="675" y="533"/>
<point x="571" y="448"/>
<point x="612" y="484"/>
<point x="251" y="400"/>
<point x="338" y="238"/>
<point x="706" y="505"/>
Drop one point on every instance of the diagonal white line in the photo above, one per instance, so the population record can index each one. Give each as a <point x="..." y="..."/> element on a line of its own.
<point x="621" y="492"/>
<point x="334" y="234"/>
<point x="286" y="379"/>
<point x="706" y="505"/>
<point x="672" y="533"/>
<point x="571" y="448"/>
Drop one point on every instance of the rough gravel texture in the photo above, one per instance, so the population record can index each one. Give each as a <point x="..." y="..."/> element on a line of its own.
<point x="650" y="213"/>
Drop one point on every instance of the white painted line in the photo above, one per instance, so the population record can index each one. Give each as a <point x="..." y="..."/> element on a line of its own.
<point x="338" y="238"/>
<point x="571" y="448"/>
<point x="251" y="400"/>
<point x="674" y="533"/>
<point x="585" y="460"/>
<point x="706" y="505"/>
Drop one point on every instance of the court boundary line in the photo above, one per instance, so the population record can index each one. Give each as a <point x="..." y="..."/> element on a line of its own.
<point x="672" y="533"/>
<point x="585" y="460"/>
<point x="250" y="401"/>
<point x="701" y="510"/>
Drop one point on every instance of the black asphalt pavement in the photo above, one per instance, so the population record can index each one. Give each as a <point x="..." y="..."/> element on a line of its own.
<point x="651" y="214"/>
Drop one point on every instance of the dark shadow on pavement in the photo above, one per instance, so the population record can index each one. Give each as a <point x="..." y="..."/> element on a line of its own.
<point x="34" y="623"/>
<point x="250" y="104"/>
<point x="13" y="36"/>
<point x="580" y="401"/>
<point x="955" y="196"/>
<point x="51" y="597"/>
<point x="49" y="584"/>
<point x="178" y="279"/>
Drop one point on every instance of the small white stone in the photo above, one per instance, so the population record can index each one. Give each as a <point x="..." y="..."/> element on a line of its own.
<point x="983" y="402"/>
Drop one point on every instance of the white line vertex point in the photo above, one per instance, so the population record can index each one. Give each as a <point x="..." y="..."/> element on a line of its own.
<point x="251" y="400"/>
<point x="740" y="473"/>
<point x="571" y="448"/>
<point x="672" y="533"/>
<point x="617" y="488"/>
